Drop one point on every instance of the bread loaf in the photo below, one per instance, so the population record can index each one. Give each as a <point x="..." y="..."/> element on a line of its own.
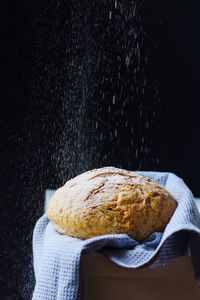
<point x="111" y="200"/>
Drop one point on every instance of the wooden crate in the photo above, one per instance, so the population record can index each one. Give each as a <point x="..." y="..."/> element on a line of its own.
<point x="104" y="280"/>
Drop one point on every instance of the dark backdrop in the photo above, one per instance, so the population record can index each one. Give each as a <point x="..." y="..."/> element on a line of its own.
<point x="86" y="84"/>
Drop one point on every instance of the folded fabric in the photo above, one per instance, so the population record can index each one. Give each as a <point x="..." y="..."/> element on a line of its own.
<point x="57" y="257"/>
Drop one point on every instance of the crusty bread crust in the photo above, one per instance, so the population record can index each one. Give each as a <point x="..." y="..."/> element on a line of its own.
<point x="110" y="200"/>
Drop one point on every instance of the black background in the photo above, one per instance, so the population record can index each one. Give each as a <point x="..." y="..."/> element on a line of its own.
<point x="62" y="62"/>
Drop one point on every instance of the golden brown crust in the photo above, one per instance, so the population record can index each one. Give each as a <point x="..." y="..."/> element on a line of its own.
<point x="111" y="200"/>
